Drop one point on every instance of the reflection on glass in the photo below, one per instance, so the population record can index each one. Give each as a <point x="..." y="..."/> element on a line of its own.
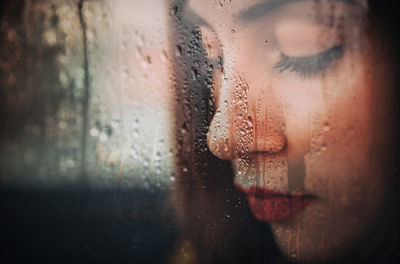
<point x="288" y="116"/>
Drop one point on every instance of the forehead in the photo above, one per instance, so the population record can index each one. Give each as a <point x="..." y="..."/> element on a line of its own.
<point x="214" y="6"/>
<point x="249" y="10"/>
<point x="214" y="9"/>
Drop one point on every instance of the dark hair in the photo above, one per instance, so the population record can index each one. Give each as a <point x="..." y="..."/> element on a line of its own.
<point x="215" y="216"/>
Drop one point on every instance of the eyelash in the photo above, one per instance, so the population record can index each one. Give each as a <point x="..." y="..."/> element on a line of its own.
<point x="309" y="66"/>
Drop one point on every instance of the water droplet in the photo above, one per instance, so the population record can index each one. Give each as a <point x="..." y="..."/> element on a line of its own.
<point x="50" y="37"/>
<point x="62" y="125"/>
<point x="226" y="104"/>
<point x="94" y="132"/>
<point x="103" y="137"/>
<point x="324" y="147"/>
<point x="226" y="145"/>
<point x="195" y="74"/>
<point x="115" y="124"/>
<point x="164" y="56"/>
<point x="326" y="127"/>
<point x="135" y="134"/>
<point x="178" y="50"/>
<point x="174" y="10"/>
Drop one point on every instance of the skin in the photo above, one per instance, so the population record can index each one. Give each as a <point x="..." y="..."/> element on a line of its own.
<point x="328" y="133"/>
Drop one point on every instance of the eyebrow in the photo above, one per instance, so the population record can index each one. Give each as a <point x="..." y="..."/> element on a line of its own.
<point x="261" y="9"/>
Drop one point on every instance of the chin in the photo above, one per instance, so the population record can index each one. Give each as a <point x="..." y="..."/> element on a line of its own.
<point x="303" y="247"/>
<point x="320" y="235"/>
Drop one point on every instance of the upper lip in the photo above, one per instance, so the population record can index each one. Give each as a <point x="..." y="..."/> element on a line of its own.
<point x="264" y="193"/>
<point x="272" y="206"/>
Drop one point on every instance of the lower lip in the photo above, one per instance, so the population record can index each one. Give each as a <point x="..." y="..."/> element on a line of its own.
<point x="270" y="206"/>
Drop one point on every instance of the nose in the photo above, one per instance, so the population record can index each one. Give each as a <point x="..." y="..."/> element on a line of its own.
<point x="248" y="119"/>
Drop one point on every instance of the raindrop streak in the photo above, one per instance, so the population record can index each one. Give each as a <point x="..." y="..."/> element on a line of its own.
<point x="296" y="174"/>
<point x="326" y="127"/>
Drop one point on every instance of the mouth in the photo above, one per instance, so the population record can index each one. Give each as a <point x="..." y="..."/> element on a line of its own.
<point x="272" y="206"/>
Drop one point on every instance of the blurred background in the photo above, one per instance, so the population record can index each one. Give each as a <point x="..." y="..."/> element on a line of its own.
<point x="86" y="160"/>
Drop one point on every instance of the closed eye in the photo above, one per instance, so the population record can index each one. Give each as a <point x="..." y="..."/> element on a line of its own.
<point x="309" y="66"/>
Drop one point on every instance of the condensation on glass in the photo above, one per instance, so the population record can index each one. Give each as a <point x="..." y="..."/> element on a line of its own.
<point x="86" y="95"/>
<point x="86" y="166"/>
<point x="278" y="114"/>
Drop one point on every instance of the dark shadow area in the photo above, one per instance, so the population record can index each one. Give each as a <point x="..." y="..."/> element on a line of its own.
<point x="77" y="226"/>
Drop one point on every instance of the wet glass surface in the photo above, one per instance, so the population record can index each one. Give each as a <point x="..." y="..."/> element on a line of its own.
<point x="85" y="151"/>
<point x="279" y="136"/>
<point x="198" y="131"/>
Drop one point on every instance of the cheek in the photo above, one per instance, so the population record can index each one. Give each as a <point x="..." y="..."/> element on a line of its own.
<point x="349" y="177"/>
<point x="346" y="146"/>
<point x="348" y="166"/>
<point x="305" y="108"/>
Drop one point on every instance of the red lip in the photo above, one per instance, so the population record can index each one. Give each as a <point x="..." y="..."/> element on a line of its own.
<point x="270" y="206"/>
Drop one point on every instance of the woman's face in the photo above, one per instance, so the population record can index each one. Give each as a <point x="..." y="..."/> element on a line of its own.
<point x="303" y="112"/>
